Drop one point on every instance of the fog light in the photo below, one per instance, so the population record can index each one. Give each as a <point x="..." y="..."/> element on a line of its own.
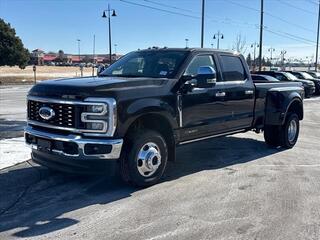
<point x="95" y="126"/>
<point x="91" y="149"/>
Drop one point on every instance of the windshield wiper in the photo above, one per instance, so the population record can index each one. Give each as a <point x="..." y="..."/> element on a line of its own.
<point x="121" y="75"/>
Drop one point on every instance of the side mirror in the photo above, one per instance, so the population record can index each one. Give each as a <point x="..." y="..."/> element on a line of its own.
<point x="206" y="77"/>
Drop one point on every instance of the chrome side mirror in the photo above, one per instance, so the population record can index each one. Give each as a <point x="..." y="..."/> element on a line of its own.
<point x="206" y="77"/>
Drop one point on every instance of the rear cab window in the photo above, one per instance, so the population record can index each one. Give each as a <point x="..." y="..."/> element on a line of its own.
<point x="232" y="68"/>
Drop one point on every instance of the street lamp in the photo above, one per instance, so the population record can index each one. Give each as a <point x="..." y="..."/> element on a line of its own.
<point x="218" y="36"/>
<point x="115" y="48"/>
<point x="104" y="15"/>
<point x="254" y="46"/>
<point x="78" y="40"/>
<point x="187" y="40"/>
<point x="271" y="50"/>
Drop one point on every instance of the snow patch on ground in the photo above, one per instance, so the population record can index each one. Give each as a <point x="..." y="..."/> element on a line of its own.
<point x="13" y="151"/>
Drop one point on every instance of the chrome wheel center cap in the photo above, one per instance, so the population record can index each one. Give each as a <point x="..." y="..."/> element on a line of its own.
<point x="153" y="159"/>
<point x="148" y="159"/>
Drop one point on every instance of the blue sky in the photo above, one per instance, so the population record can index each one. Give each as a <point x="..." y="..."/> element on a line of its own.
<point x="56" y="24"/>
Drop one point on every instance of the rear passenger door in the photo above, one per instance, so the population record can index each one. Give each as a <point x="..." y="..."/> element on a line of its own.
<point x="239" y="92"/>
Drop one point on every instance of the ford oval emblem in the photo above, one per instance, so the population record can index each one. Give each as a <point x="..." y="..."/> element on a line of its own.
<point x="46" y="113"/>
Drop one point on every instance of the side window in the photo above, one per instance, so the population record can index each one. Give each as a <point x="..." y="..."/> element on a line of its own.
<point x="280" y="77"/>
<point x="199" y="61"/>
<point x="232" y="68"/>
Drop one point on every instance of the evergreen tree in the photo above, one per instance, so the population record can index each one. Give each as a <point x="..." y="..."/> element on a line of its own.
<point x="12" y="51"/>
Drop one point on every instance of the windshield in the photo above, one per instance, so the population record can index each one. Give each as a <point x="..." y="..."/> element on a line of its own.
<point x="306" y="75"/>
<point x="290" y="76"/>
<point x="154" y="64"/>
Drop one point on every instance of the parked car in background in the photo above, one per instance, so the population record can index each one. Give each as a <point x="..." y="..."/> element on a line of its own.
<point x="307" y="76"/>
<point x="309" y="86"/>
<point x="263" y="78"/>
<point x="314" y="74"/>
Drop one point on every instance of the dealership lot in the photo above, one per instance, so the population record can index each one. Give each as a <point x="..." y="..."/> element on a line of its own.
<point x="230" y="187"/>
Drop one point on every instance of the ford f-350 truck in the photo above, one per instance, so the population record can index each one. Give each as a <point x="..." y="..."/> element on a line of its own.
<point x="137" y="111"/>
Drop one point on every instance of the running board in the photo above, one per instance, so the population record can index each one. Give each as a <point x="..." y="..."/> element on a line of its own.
<point x="212" y="136"/>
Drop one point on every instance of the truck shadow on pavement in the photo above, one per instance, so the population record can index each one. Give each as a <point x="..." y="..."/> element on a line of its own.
<point x="36" y="201"/>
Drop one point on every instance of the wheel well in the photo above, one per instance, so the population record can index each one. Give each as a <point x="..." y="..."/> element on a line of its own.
<point x="296" y="107"/>
<point x="158" y="123"/>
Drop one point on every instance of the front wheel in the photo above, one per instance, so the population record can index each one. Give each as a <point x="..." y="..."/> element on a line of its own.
<point x="145" y="158"/>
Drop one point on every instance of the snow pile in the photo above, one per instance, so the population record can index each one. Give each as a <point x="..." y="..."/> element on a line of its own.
<point x="13" y="151"/>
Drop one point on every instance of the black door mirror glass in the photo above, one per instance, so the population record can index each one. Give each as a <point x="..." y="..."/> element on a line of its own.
<point x="206" y="77"/>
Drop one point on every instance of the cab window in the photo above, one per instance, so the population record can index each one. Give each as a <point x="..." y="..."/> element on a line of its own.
<point x="232" y="68"/>
<point x="199" y="61"/>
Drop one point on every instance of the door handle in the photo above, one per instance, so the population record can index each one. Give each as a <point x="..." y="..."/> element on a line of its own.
<point x="248" y="92"/>
<point x="220" y="94"/>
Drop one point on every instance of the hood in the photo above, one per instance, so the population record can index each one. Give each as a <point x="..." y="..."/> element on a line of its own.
<point x="308" y="82"/>
<point x="80" y="88"/>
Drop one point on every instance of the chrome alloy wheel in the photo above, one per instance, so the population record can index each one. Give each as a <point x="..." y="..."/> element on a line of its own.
<point x="148" y="159"/>
<point x="292" y="131"/>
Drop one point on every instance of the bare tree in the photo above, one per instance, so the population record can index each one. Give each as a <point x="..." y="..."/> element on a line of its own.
<point x="240" y="44"/>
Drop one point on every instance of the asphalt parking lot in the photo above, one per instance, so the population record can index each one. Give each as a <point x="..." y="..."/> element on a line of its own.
<point x="231" y="187"/>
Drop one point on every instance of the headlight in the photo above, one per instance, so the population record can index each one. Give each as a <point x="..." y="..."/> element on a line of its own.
<point x="99" y="116"/>
<point x="95" y="108"/>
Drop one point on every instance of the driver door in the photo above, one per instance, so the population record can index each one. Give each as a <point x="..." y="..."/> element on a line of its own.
<point x="203" y="110"/>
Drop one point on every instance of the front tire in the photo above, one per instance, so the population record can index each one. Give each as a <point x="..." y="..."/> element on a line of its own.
<point x="145" y="158"/>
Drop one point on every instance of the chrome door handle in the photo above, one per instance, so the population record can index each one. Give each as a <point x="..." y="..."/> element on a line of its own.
<point x="220" y="94"/>
<point x="248" y="92"/>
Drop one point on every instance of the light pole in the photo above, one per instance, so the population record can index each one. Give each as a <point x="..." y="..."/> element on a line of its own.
<point x="271" y="50"/>
<point x="317" y="48"/>
<point x="211" y="45"/>
<point x="115" y="48"/>
<point x="282" y="53"/>
<point x="254" y="46"/>
<point x="104" y="15"/>
<point x="218" y="36"/>
<point x="187" y="41"/>
<point x="93" y="53"/>
<point x="78" y="40"/>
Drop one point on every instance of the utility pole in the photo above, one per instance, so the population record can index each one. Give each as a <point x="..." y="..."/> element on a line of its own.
<point x="254" y="46"/>
<point x="261" y="36"/>
<point x="218" y="35"/>
<point x="317" y="49"/>
<point x="271" y="50"/>
<point x="202" y="23"/>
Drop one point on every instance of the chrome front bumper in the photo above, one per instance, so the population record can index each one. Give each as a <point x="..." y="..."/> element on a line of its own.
<point x="114" y="153"/>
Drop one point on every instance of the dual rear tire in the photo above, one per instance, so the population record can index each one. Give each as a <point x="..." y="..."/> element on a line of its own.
<point x="286" y="135"/>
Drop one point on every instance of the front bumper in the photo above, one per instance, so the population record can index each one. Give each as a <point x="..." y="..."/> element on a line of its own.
<point x="310" y="90"/>
<point x="73" y="153"/>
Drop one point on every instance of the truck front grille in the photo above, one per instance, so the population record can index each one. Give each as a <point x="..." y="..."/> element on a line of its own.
<point x="65" y="114"/>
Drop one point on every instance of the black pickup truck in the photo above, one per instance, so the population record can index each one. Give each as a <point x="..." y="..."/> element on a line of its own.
<point x="134" y="115"/>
